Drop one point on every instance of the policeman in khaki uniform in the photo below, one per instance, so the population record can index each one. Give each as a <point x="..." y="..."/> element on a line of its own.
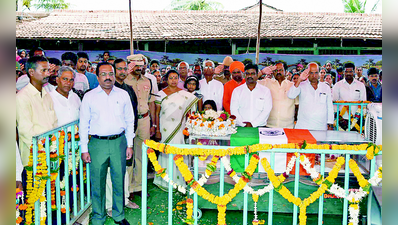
<point x="146" y="111"/>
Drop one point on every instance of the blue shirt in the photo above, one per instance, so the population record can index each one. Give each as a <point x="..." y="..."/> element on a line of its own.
<point x="92" y="80"/>
<point x="103" y="115"/>
<point x="377" y="92"/>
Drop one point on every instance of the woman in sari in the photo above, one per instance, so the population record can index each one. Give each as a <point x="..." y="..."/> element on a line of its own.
<point x="172" y="106"/>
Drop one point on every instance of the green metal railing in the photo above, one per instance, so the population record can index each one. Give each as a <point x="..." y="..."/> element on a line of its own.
<point x="347" y="153"/>
<point x="80" y="203"/>
<point x="350" y="105"/>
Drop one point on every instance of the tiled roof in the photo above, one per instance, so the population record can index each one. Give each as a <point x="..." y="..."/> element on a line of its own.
<point x="193" y="25"/>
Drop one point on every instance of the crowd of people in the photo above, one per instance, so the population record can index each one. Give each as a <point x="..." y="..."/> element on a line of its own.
<point x="122" y="102"/>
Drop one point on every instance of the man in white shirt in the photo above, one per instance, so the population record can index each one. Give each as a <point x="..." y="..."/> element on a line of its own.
<point x="81" y="81"/>
<point x="315" y="101"/>
<point x="210" y="88"/>
<point x="283" y="108"/>
<point x="182" y="69"/>
<point x="349" y="89"/>
<point x="66" y="102"/>
<point x="107" y="115"/>
<point x="251" y="103"/>
<point x="151" y="77"/>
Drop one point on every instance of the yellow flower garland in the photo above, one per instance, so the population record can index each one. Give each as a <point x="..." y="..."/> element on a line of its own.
<point x="221" y="202"/>
<point x="36" y="191"/>
<point x="189" y="219"/>
<point x="164" y="148"/>
<point x="303" y="204"/>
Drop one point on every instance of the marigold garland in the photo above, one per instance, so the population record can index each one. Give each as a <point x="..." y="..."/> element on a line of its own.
<point x="303" y="204"/>
<point x="221" y="202"/>
<point x="189" y="219"/>
<point x="164" y="148"/>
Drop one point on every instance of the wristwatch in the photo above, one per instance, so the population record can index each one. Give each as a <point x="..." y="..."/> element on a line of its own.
<point x="129" y="146"/>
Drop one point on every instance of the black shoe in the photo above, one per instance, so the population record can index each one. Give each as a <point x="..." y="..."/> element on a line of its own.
<point x="123" y="222"/>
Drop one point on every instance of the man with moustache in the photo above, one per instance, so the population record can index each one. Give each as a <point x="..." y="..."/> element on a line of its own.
<point x="182" y="69"/>
<point x="283" y="108"/>
<point x="121" y="69"/>
<point x="210" y="88"/>
<point x="107" y="115"/>
<point x="146" y="110"/>
<point x="315" y="100"/>
<point x="374" y="90"/>
<point x="81" y="82"/>
<point x="251" y="103"/>
<point x="81" y="67"/>
<point x="197" y="71"/>
<point x="34" y="107"/>
<point x="66" y="102"/>
<point x="349" y="89"/>
<point x="225" y="75"/>
<point x="236" y="69"/>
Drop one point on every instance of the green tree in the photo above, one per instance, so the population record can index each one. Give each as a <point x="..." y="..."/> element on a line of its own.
<point x="357" y="6"/>
<point x="47" y="5"/>
<point x="195" y="5"/>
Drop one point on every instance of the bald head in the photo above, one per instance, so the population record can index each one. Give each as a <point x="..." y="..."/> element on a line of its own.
<point x="313" y="72"/>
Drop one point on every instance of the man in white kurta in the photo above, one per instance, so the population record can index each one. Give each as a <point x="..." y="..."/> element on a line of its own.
<point x="66" y="102"/>
<point x="349" y="89"/>
<point x="251" y="103"/>
<point x="210" y="88"/>
<point x="315" y="101"/>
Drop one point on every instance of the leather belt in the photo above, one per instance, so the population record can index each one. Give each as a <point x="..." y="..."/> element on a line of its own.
<point x="143" y="115"/>
<point x="110" y="137"/>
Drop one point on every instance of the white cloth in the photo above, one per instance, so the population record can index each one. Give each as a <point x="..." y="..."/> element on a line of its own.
<point x="154" y="82"/>
<point x="22" y="81"/>
<point x="103" y="115"/>
<point x="273" y="136"/>
<point x="214" y="90"/>
<point x="67" y="109"/>
<point x="18" y="164"/>
<point x="344" y="91"/>
<point x="49" y="87"/>
<point x="251" y="106"/>
<point x="315" y="106"/>
<point x="81" y="82"/>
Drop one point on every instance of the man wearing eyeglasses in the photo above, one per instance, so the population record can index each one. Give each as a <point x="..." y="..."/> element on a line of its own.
<point x="210" y="88"/>
<point x="107" y="115"/>
<point x="251" y="103"/>
<point x="283" y="108"/>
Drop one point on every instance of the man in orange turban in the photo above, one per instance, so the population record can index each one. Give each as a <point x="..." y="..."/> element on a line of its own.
<point x="236" y="69"/>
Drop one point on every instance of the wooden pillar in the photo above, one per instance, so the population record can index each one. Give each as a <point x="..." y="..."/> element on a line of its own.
<point x="233" y="48"/>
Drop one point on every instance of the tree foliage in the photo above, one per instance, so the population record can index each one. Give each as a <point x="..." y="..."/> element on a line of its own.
<point x="47" y="5"/>
<point x="196" y="5"/>
<point x="357" y="6"/>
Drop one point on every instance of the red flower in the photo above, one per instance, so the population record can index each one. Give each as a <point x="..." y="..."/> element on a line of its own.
<point x="233" y="117"/>
<point x="223" y="116"/>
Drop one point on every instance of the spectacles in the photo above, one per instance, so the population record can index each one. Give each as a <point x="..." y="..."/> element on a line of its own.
<point x="208" y="67"/>
<point x="103" y="74"/>
<point x="121" y="68"/>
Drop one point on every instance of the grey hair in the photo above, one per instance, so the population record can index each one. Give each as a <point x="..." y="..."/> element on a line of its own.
<point x="178" y="66"/>
<point x="212" y="63"/>
<point x="65" y="69"/>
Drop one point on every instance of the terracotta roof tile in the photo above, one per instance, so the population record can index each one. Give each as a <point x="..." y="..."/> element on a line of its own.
<point x="189" y="25"/>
